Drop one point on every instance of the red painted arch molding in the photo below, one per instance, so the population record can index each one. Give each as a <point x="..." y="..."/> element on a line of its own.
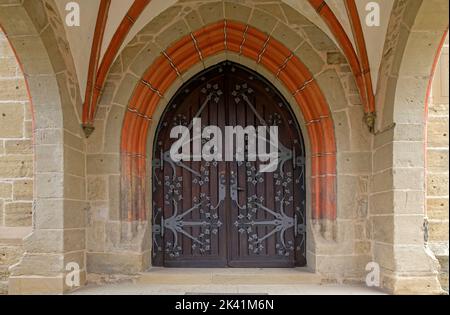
<point x="362" y="76"/>
<point x="191" y="50"/>
<point x="102" y="18"/>
<point x="90" y="105"/>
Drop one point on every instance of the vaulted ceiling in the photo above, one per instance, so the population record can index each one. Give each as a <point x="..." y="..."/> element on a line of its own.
<point x="107" y="26"/>
<point x="81" y="37"/>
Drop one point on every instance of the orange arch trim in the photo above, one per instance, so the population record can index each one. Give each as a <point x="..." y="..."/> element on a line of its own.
<point x="362" y="76"/>
<point x="258" y="46"/>
<point x="90" y="105"/>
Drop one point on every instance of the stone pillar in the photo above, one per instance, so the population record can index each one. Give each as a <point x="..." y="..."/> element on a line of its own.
<point x="397" y="199"/>
<point x="58" y="236"/>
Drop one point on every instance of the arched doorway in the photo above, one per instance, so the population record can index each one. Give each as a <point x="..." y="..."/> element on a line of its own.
<point x="226" y="209"/>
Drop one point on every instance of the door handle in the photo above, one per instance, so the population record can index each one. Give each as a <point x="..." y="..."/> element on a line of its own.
<point x="234" y="190"/>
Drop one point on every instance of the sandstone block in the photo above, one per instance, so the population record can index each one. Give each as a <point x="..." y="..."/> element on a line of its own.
<point x="11" y="119"/>
<point x="12" y="166"/>
<point x="6" y="190"/>
<point x="14" y="90"/>
<point x="438" y="132"/>
<point x="18" y="214"/>
<point x="236" y="11"/>
<point x="23" y="189"/>
<point x="97" y="188"/>
<point x="19" y="147"/>
<point x="263" y="21"/>
<point x="310" y="58"/>
<point x="437" y="185"/>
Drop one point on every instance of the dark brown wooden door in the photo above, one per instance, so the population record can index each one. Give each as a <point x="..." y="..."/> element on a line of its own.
<point x="229" y="213"/>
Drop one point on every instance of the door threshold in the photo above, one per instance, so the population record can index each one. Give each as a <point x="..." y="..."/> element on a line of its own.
<point x="229" y="276"/>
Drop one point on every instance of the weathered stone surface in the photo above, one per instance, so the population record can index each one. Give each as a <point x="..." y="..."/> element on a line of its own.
<point x="310" y="58"/>
<point x="437" y="208"/>
<point x="360" y="136"/>
<point x="333" y="90"/>
<point x="287" y="36"/>
<point x="18" y="214"/>
<point x="355" y="163"/>
<point x="319" y="39"/>
<point x="110" y="263"/>
<point x="49" y="158"/>
<point x="293" y="16"/>
<point x="162" y="20"/>
<point x="8" y="66"/>
<point x="129" y="54"/>
<point x="263" y="21"/>
<point x="95" y="234"/>
<point x="342" y="130"/>
<point x="171" y="34"/>
<point x="6" y="190"/>
<point x="237" y="12"/>
<point x="103" y="164"/>
<point x="211" y="12"/>
<point x="438" y="231"/>
<point x="125" y="90"/>
<point x="335" y="58"/>
<point x="97" y="188"/>
<point x="11" y="119"/>
<point x="19" y="147"/>
<point x="36" y="285"/>
<point x="112" y="131"/>
<point x="352" y="193"/>
<point x="363" y="248"/>
<point x="437" y="185"/>
<point x="12" y="166"/>
<point x="194" y="20"/>
<point x="114" y="197"/>
<point x="13" y="89"/>
<point x="273" y="9"/>
<point x="74" y="162"/>
<point x="74" y="187"/>
<point x="437" y="161"/>
<point x="23" y="189"/>
<point x="438" y="130"/>
<point x="144" y="59"/>
<point x="49" y="186"/>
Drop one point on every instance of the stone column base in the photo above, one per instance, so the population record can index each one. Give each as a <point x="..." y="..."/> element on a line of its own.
<point x="28" y="285"/>
<point x="412" y="285"/>
<point x="41" y="285"/>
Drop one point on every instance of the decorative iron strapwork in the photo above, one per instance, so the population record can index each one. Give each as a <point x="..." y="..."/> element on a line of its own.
<point x="280" y="220"/>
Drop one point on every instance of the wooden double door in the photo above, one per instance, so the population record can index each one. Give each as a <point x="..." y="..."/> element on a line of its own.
<point x="223" y="213"/>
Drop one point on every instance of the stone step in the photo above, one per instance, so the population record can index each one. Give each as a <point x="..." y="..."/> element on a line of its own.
<point x="228" y="276"/>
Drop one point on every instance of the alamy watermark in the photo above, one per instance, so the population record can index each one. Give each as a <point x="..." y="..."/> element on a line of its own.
<point x="252" y="144"/>
<point x="373" y="18"/>
<point x="373" y="277"/>
<point x="73" y="275"/>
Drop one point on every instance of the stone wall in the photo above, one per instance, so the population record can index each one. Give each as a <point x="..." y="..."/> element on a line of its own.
<point x="36" y="31"/>
<point x="437" y="165"/>
<point x="16" y="150"/>
<point x="16" y="160"/>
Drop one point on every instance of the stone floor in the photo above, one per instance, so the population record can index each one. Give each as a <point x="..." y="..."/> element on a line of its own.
<point x="161" y="289"/>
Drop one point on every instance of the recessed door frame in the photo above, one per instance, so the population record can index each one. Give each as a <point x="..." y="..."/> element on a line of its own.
<point x="295" y="114"/>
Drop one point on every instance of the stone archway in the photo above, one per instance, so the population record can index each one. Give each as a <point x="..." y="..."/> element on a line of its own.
<point x="398" y="184"/>
<point x="337" y="247"/>
<point x="36" y="34"/>
<point x="211" y="210"/>
<point x="253" y="44"/>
